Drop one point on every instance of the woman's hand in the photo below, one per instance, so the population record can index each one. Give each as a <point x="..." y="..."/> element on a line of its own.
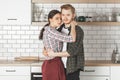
<point x="73" y="23"/>
<point x="51" y="53"/>
<point x="45" y="52"/>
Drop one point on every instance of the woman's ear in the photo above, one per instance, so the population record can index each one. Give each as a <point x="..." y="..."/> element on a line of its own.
<point x="50" y="20"/>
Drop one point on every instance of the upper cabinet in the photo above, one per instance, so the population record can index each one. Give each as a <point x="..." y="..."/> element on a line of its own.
<point x="15" y="12"/>
<point x="75" y="1"/>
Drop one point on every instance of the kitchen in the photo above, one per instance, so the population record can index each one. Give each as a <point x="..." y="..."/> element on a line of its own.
<point x="19" y="34"/>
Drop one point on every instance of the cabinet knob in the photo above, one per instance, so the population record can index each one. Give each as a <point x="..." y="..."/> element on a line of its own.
<point x="12" y="19"/>
<point x="10" y="70"/>
<point x="89" y="70"/>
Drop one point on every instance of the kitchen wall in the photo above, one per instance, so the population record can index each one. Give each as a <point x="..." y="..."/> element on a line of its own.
<point x="99" y="41"/>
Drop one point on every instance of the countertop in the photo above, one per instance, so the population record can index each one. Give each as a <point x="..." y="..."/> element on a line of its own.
<point x="100" y="63"/>
<point x="39" y="63"/>
<point x="20" y="63"/>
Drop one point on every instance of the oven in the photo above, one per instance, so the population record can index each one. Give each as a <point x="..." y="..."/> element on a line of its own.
<point x="36" y="76"/>
<point x="36" y="73"/>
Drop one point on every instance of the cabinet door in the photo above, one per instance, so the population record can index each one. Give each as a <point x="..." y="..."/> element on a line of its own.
<point x="14" y="77"/>
<point x="15" y="12"/>
<point x="115" y="72"/>
<point x="14" y="70"/>
<point x="93" y="78"/>
<point x="96" y="70"/>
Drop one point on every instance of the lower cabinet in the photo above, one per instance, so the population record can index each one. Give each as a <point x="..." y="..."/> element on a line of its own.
<point x="14" y="72"/>
<point x="95" y="73"/>
<point x="94" y="78"/>
<point x="115" y="72"/>
<point x="14" y="77"/>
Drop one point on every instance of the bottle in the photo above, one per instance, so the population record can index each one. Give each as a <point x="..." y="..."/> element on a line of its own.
<point x="116" y="54"/>
<point x="110" y="17"/>
<point x="113" y="56"/>
<point x="42" y="15"/>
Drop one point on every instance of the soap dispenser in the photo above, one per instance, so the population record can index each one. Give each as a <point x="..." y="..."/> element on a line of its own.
<point x="113" y="56"/>
<point x="116" y="54"/>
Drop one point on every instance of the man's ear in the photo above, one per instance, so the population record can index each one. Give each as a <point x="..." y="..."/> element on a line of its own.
<point x="74" y="15"/>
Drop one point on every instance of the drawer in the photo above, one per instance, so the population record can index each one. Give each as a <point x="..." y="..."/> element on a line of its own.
<point x="97" y="70"/>
<point x="93" y="78"/>
<point x="36" y="69"/>
<point x="15" y="70"/>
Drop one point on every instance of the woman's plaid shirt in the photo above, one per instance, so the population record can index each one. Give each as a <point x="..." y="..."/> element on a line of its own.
<point x="52" y="39"/>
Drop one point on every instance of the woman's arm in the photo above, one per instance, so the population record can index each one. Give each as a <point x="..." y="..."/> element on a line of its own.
<point x="57" y="54"/>
<point x="53" y="33"/>
<point x="73" y="32"/>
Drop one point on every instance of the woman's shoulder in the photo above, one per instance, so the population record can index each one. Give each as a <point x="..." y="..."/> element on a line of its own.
<point x="49" y="29"/>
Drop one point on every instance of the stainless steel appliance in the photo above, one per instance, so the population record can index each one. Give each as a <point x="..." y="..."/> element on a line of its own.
<point x="36" y="76"/>
<point x="36" y="73"/>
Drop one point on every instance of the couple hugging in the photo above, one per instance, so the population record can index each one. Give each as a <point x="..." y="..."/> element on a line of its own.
<point x="62" y="38"/>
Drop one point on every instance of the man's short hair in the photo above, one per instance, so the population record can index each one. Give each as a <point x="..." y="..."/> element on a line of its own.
<point x="68" y="6"/>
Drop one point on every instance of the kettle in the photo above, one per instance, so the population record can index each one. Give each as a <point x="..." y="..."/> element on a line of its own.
<point x="81" y="19"/>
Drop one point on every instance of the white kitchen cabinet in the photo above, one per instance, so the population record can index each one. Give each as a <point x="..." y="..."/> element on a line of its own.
<point x="14" y="72"/>
<point x="15" y="12"/>
<point x="95" y="73"/>
<point x="36" y="69"/>
<point x="94" y="78"/>
<point x="115" y="72"/>
<point x="14" y="77"/>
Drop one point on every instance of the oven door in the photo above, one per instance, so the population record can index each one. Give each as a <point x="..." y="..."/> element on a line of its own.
<point x="36" y="76"/>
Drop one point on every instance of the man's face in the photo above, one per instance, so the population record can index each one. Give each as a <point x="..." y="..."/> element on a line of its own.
<point x="67" y="16"/>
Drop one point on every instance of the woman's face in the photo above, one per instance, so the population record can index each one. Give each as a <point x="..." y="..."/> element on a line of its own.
<point x="56" y="20"/>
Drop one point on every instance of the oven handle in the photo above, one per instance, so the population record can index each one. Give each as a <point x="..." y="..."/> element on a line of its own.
<point x="37" y="75"/>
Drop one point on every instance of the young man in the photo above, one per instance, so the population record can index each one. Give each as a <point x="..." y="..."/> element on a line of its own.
<point x="74" y="52"/>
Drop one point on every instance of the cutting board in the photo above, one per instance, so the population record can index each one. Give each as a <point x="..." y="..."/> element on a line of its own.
<point x="27" y="58"/>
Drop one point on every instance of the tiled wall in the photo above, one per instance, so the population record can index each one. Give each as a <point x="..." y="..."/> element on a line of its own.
<point x="99" y="41"/>
<point x="19" y="41"/>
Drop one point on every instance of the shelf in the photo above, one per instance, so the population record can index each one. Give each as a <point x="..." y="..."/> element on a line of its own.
<point x="76" y="1"/>
<point x="100" y="23"/>
<point x="84" y="23"/>
<point x="59" y="1"/>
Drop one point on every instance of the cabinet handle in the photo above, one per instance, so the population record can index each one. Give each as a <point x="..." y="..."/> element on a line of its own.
<point x="12" y="19"/>
<point x="10" y="70"/>
<point x="37" y="75"/>
<point x="89" y="70"/>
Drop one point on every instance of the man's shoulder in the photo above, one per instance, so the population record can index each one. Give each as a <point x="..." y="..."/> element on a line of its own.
<point x="78" y="28"/>
<point x="60" y="28"/>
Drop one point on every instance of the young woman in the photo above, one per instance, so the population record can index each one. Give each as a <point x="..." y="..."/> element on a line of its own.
<point x="52" y="68"/>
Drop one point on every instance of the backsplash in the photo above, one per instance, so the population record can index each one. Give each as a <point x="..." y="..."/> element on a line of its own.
<point x="99" y="41"/>
<point x="19" y="41"/>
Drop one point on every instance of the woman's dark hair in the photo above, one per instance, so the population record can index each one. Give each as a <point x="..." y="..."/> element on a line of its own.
<point x="51" y="14"/>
